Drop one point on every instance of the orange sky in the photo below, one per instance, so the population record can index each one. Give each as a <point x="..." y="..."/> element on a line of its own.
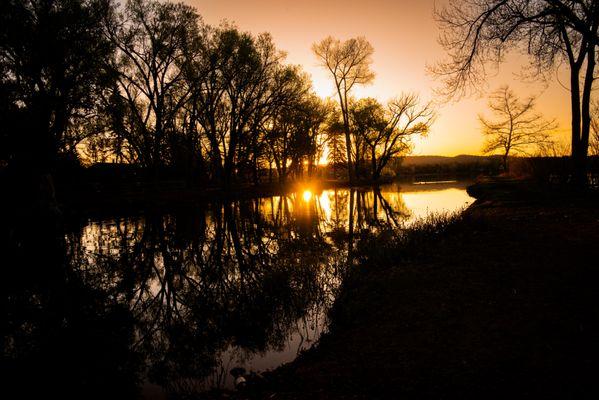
<point x="404" y="36"/>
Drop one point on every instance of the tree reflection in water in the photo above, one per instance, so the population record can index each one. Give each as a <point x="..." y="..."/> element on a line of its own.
<point x="179" y="299"/>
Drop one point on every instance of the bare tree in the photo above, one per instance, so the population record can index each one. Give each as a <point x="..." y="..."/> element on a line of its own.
<point x="349" y="64"/>
<point x="479" y="32"/>
<point x="516" y="128"/>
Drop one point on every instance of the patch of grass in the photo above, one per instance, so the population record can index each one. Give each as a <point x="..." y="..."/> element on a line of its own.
<point x="391" y="250"/>
<point x="392" y="246"/>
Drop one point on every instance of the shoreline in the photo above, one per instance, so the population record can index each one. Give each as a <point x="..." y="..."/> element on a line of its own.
<point x="502" y="304"/>
<point x="106" y="202"/>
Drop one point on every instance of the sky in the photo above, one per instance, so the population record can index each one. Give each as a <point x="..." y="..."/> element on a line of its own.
<point x="404" y="36"/>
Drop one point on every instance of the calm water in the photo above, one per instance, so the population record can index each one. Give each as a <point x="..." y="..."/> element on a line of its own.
<point x="169" y="304"/>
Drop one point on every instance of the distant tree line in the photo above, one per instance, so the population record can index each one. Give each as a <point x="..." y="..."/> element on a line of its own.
<point x="148" y="83"/>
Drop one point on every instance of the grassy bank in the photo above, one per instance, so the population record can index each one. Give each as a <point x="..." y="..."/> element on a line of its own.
<point x="499" y="303"/>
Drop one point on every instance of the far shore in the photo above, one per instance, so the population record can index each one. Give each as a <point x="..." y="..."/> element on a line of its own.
<point x="164" y="195"/>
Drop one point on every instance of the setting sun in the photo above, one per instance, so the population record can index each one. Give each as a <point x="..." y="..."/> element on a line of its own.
<point x="307" y="195"/>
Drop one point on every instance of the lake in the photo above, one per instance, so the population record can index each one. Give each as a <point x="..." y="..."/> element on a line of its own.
<point x="168" y="304"/>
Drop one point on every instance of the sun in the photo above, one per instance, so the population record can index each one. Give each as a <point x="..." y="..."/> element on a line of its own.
<point x="307" y="195"/>
<point x="322" y="85"/>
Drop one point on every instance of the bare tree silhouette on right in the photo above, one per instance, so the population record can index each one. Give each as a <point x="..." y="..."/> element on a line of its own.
<point x="516" y="128"/>
<point x="478" y="34"/>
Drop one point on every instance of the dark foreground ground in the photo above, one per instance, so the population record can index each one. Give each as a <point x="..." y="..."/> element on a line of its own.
<point x="504" y="304"/>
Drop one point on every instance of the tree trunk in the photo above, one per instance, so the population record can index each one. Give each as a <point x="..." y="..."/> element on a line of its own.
<point x="255" y="176"/>
<point x="344" y="112"/>
<point x="583" y="145"/>
<point x="350" y="171"/>
<point x="229" y="159"/>
<point x="576" y="156"/>
<point x="373" y="163"/>
<point x="357" y="160"/>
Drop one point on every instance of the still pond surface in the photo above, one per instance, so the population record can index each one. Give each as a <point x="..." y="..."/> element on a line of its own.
<point x="169" y="304"/>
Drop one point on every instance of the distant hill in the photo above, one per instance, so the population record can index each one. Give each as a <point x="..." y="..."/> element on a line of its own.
<point x="443" y="160"/>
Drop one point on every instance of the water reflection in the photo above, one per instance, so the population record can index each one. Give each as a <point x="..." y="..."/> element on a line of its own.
<point x="168" y="304"/>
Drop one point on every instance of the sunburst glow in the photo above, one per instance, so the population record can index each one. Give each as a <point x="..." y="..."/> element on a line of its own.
<point x="307" y="195"/>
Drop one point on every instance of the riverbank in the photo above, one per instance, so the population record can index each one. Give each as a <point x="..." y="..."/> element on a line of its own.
<point x="500" y="303"/>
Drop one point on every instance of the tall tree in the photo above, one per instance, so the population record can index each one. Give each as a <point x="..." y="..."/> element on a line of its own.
<point x="367" y="118"/>
<point x="387" y="132"/>
<point x="289" y="95"/>
<point x="335" y="143"/>
<point x="479" y="32"/>
<point x="156" y="42"/>
<point x="317" y="114"/>
<point x="516" y="127"/>
<point x="348" y="63"/>
<point x="52" y="64"/>
<point x="292" y="132"/>
<point x="240" y="83"/>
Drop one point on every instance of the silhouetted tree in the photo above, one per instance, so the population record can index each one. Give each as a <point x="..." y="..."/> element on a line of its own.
<point x="52" y="64"/>
<point x="349" y="64"/>
<point x="293" y="132"/>
<point x="516" y="128"/>
<point x="476" y="33"/>
<point x="155" y="42"/>
<point x="366" y="116"/>
<point x="387" y="132"/>
<point x="282" y="131"/>
<point x="336" y="145"/>
<point x="237" y="82"/>
<point x="317" y="113"/>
